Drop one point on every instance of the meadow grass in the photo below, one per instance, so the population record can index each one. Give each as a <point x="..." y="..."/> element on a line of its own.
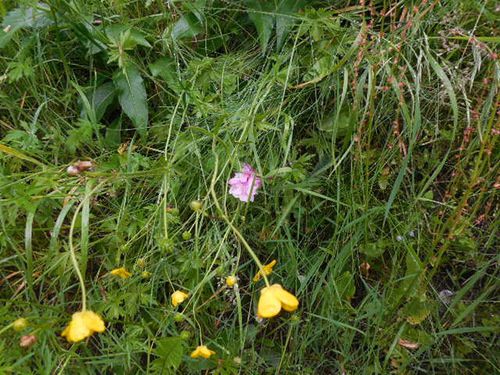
<point x="373" y="125"/>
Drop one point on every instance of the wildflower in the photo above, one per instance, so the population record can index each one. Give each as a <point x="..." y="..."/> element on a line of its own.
<point x="231" y="281"/>
<point x="266" y="270"/>
<point x="244" y="185"/>
<point x="273" y="299"/>
<point x="83" y="324"/>
<point x="178" y="297"/>
<point x="196" y="205"/>
<point x="20" y="324"/>
<point x="27" y="340"/>
<point x="121" y="272"/>
<point x="202" y="351"/>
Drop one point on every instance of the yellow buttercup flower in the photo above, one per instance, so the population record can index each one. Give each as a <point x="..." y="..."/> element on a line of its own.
<point x="231" y="281"/>
<point x="83" y="324"/>
<point x="202" y="351"/>
<point x="266" y="270"/>
<point x="121" y="272"/>
<point x="273" y="299"/>
<point x="178" y="297"/>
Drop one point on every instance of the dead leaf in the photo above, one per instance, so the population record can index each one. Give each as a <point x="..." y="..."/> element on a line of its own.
<point x="408" y="344"/>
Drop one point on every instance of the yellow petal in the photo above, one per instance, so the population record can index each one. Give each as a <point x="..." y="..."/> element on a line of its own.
<point x="266" y="270"/>
<point x="269" y="305"/>
<point x="288" y="301"/>
<point x="83" y="324"/>
<point x="202" y="351"/>
<point x="76" y="329"/>
<point x="93" y="321"/>
<point x="121" y="272"/>
<point x="178" y="297"/>
<point x="231" y="281"/>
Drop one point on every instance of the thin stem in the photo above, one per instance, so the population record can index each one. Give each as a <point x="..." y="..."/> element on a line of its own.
<point x="72" y="253"/>
<point x="233" y="228"/>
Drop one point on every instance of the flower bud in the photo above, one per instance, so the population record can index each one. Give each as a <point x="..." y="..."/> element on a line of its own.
<point x="186" y="236"/>
<point x="20" y="324"/>
<point x="27" y="340"/>
<point x="185" y="335"/>
<point x="179" y="317"/>
<point x="196" y="205"/>
<point x="72" y="170"/>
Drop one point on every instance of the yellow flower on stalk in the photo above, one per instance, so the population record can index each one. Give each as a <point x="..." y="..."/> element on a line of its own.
<point x="273" y="299"/>
<point x="178" y="297"/>
<point x="266" y="270"/>
<point x="202" y="351"/>
<point x="231" y="281"/>
<point x="121" y="272"/>
<point x="83" y="324"/>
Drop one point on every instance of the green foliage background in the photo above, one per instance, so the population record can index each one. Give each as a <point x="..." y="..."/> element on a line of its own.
<point x="374" y="126"/>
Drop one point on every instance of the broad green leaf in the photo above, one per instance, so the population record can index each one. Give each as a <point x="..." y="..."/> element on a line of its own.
<point x="102" y="97"/>
<point x="132" y="96"/>
<point x="165" y="68"/>
<point x="345" y="286"/>
<point x="285" y="19"/>
<point x="417" y="310"/>
<point x="169" y="351"/>
<point x="375" y="249"/>
<point x="188" y="26"/>
<point x="28" y="17"/>
<point x="259" y="14"/>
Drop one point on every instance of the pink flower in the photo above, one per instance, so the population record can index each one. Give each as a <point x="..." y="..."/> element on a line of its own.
<point x="244" y="185"/>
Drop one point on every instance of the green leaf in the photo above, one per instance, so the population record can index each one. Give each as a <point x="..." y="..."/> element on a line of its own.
<point x="131" y="36"/>
<point x="188" y="26"/>
<point x="345" y="286"/>
<point x="263" y="22"/>
<point x="169" y="351"/>
<point x="417" y="310"/>
<point x="285" y="19"/>
<point x="165" y="68"/>
<point x="132" y="96"/>
<point x="102" y="98"/>
<point x="28" y="17"/>
<point x="375" y="249"/>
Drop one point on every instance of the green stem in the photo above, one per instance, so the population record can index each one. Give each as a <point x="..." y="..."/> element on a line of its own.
<point x="72" y="253"/>
<point x="235" y="230"/>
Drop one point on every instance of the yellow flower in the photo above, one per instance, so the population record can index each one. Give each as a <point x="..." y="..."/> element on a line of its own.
<point x="121" y="272"/>
<point x="266" y="270"/>
<point x="202" y="351"/>
<point x="20" y="324"/>
<point x="231" y="281"/>
<point x="273" y="299"/>
<point x="83" y="324"/>
<point x="178" y="297"/>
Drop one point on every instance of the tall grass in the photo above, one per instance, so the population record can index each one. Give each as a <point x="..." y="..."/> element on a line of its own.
<point x="373" y="125"/>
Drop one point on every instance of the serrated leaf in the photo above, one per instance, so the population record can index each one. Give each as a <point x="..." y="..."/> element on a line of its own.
<point x="169" y="351"/>
<point x="264" y="23"/>
<point x="133" y="37"/>
<point x="132" y="96"/>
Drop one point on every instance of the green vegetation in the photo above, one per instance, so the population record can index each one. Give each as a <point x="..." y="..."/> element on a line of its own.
<point x="373" y="124"/>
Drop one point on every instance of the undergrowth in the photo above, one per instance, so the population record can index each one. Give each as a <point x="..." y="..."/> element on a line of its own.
<point x="373" y="126"/>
